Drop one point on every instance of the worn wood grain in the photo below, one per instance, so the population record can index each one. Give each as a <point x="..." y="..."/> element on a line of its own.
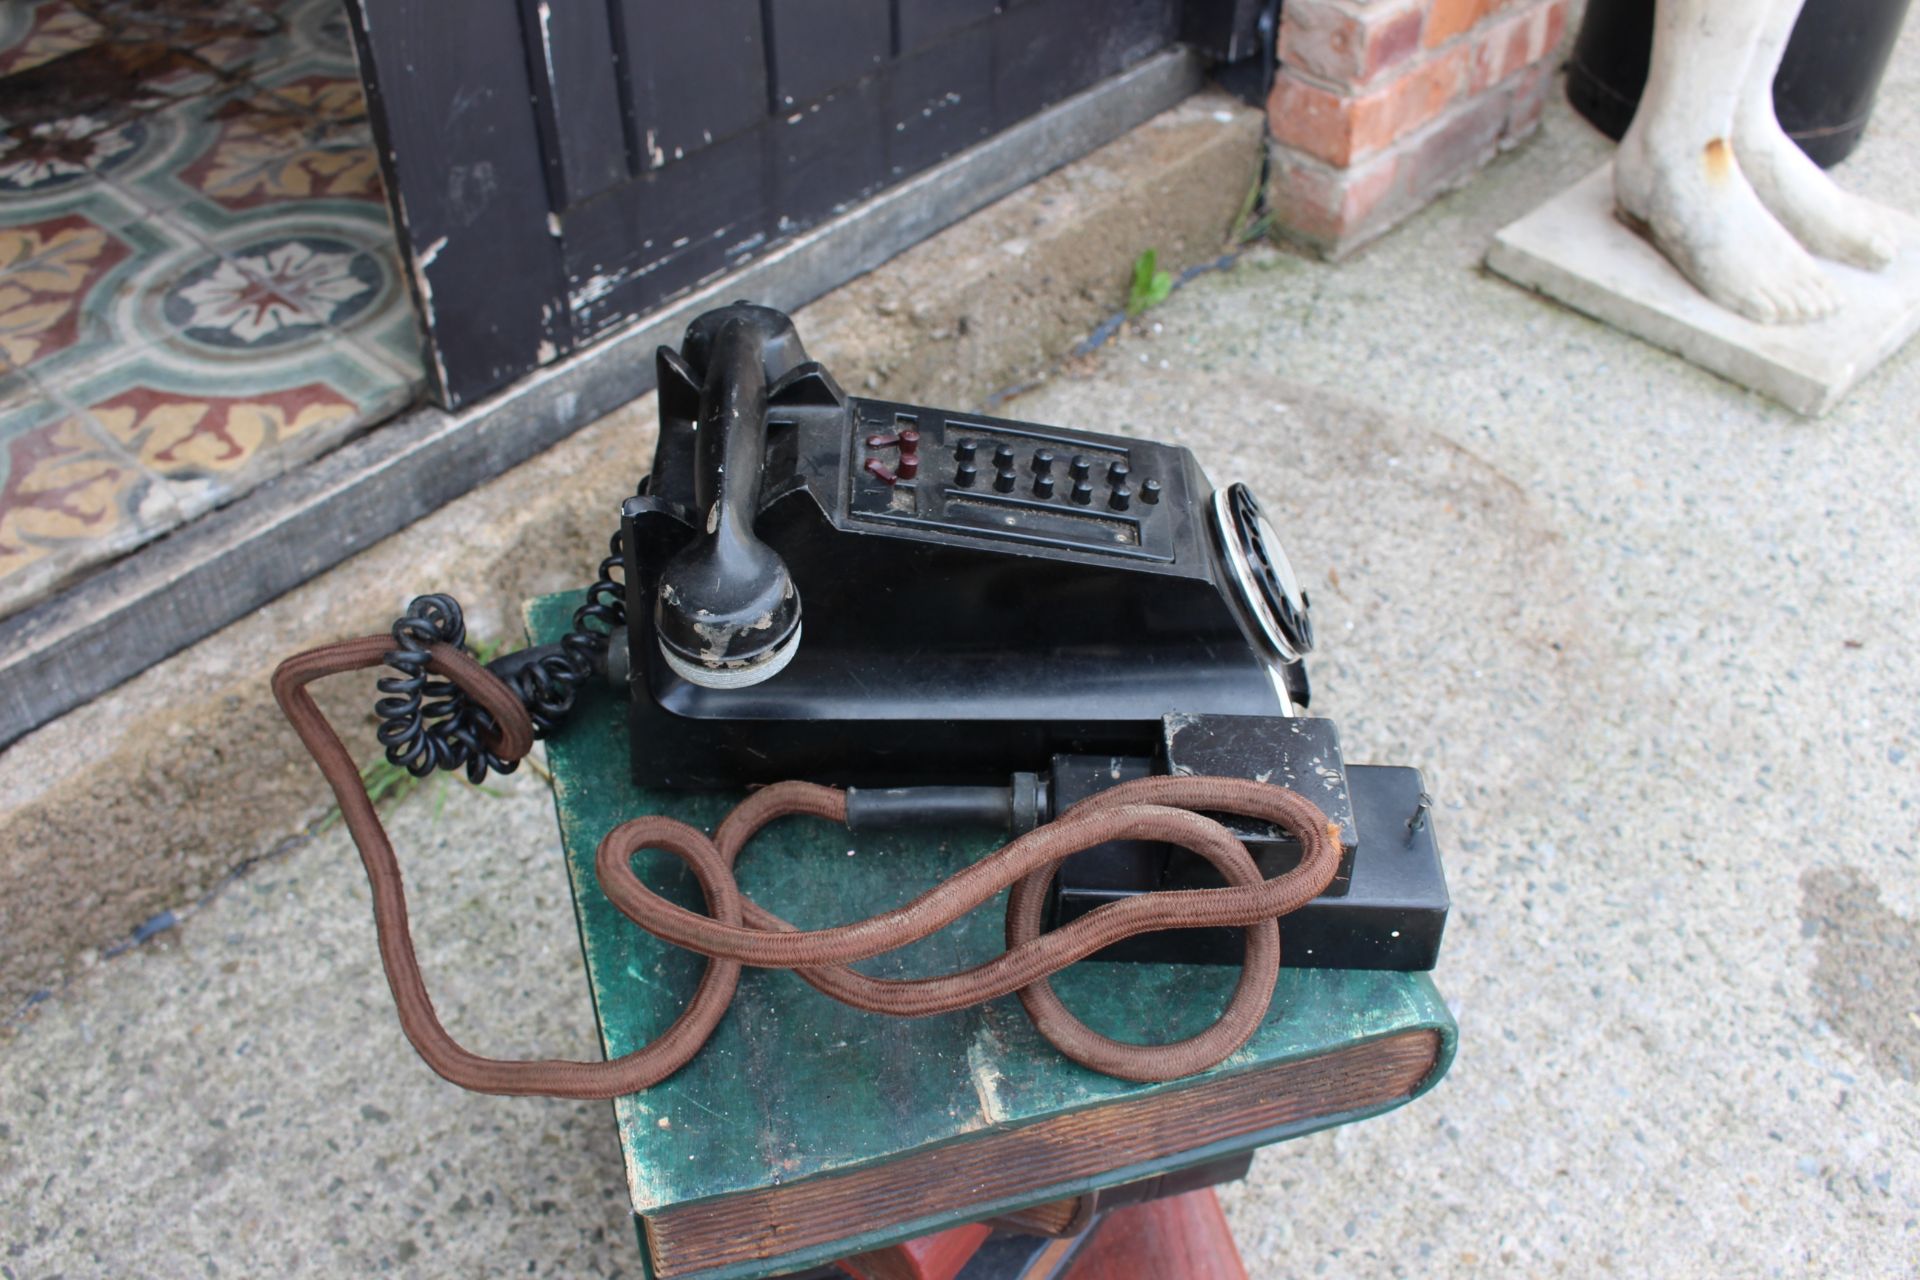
<point x="1112" y="1142"/>
<point x="697" y="73"/>
<point x="461" y="155"/>
<point x="572" y="59"/>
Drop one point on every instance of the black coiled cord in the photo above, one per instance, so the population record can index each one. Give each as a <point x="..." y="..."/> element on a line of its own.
<point x="428" y="724"/>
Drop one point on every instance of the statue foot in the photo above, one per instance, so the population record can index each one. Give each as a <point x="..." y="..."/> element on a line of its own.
<point x="1698" y="209"/>
<point x="1827" y="220"/>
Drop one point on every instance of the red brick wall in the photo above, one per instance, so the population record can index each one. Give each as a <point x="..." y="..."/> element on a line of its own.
<point x="1380" y="105"/>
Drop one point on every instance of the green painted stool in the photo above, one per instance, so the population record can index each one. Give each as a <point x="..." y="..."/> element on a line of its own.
<point x="806" y="1131"/>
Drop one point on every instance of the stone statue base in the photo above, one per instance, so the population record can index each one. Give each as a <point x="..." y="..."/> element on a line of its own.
<point x="1575" y="250"/>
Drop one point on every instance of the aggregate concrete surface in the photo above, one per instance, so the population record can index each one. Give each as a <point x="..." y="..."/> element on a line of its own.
<point x="1649" y="635"/>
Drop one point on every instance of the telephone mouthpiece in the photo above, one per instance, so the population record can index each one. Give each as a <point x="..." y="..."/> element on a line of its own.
<point x="734" y="673"/>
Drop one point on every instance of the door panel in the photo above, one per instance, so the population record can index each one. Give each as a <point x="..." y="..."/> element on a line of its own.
<point x="465" y="174"/>
<point x="576" y="94"/>
<point x="665" y="231"/>
<point x="1034" y="67"/>
<point x="821" y="45"/>
<point x="829" y="154"/>
<point x="559" y="167"/>
<point x="699" y="74"/>
<point x="921" y="22"/>
<point x="942" y="101"/>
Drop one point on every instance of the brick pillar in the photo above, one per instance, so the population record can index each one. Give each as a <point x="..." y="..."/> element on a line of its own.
<point x="1380" y="105"/>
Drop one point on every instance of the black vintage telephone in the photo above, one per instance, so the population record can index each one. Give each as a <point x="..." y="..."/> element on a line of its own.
<point x="977" y="592"/>
<point x="957" y="619"/>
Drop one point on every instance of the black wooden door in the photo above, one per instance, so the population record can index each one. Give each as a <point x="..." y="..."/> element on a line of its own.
<point x="559" y="166"/>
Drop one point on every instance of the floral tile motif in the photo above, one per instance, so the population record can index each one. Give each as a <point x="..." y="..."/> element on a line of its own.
<point x="231" y="38"/>
<point x="299" y="134"/>
<point x="143" y="57"/>
<point x="44" y="158"/>
<point x="75" y="299"/>
<point x="17" y="389"/>
<point x="23" y="406"/>
<point x="209" y="430"/>
<point x="187" y="436"/>
<point x="319" y="29"/>
<point x="293" y="275"/>
<point x="199" y="287"/>
<point x="115" y="80"/>
<point x="69" y="499"/>
<point x="47" y="273"/>
<point x="304" y="140"/>
<point x="37" y="31"/>
<point x="239" y="37"/>
<point x="275" y="291"/>
<point x="280" y="31"/>
<point x="75" y="294"/>
<point x="395" y="336"/>
<point x="347" y="274"/>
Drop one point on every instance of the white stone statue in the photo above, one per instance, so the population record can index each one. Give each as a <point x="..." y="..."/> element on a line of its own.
<point x="1707" y="173"/>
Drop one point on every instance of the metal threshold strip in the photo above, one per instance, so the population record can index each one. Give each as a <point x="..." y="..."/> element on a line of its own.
<point x="179" y="590"/>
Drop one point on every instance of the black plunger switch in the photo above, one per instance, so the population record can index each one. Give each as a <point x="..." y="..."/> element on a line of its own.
<point x="1003" y="481"/>
<point x="1082" y="492"/>
<point x="1120" y="499"/>
<point x="965" y="474"/>
<point x="1079" y="467"/>
<point x="1003" y="457"/>
<point x="1043" y="486"/>
<point x="1117" y="473"/>
<point x="964" y="451"/>
<point x="1150" y="492"/>
<point x="1043" y="462"/>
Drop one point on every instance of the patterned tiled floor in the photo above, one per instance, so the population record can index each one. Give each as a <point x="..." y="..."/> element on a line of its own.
<point x="199" y="287"/>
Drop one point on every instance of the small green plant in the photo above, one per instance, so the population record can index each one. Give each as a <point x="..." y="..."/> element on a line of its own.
<point x="388" y="784"/>
<point x="1150" y="284"/>
<point x="1250" y="223"/>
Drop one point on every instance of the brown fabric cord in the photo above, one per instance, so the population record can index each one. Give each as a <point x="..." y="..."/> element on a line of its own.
<point x="739" y="931"/>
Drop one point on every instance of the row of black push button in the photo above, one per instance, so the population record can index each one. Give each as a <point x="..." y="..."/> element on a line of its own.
<point x="1079" y="469"/>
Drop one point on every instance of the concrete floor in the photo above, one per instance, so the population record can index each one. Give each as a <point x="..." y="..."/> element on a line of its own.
<point x="1649" y="635"/>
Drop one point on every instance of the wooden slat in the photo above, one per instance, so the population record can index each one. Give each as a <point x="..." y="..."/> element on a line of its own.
<point x="1061" y="1151"/>
<point x="666" y="230"/>
<point x="571" y="59"/>
<point x="819" y="46"/>
<point x="1048" y="50"/>
<point x="696" y="74"/>
<point x="921" y="22"/>
<point x="449" y="101"/>
<point x="677" y="226"/>
<point x="1029" y="70"/>
<point x="829" y="155"/>
<point x="1128" y="30"/>
<point x="940" y="101"/>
